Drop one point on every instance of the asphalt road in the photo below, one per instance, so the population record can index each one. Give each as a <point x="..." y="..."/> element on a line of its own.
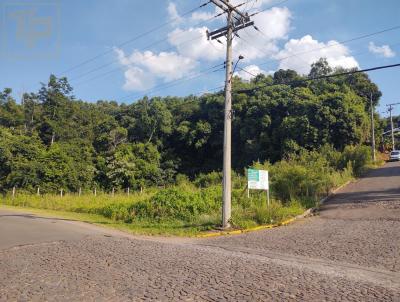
<point x="350" y="251"/>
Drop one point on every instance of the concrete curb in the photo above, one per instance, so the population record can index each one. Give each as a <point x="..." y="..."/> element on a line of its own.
<point x="270" y="226"/>
<point x="237" y="232"/>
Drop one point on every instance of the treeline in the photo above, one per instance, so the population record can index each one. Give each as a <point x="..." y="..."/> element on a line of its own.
<point x="52" y="140"/>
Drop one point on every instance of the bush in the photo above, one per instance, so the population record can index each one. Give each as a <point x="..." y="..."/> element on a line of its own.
<point x="207" y="180"/>
<point x="308" y="175"/>
<point x="358" y="156"/>
<point x="178" y="204"/>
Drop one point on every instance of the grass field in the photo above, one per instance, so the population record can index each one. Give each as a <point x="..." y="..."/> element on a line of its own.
<point x="189" y="208"/>
<point x="118" y="211"/>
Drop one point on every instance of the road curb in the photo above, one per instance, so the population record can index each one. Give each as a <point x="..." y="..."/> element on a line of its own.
<point x="306" y="213"/>
<point x="237" y="232"/>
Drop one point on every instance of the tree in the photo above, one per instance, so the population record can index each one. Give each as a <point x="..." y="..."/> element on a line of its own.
<point x="55" y="98"/>
<point x="20" y="159"/>
<point x="11" y="115"/>
<point x="320" y="68"/>
<point x="55" y="141"/>
<point x="134" y="165"/>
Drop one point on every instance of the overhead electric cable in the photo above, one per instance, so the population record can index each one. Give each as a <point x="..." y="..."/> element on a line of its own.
<point x="335" y="44"/>
<point x="319" y="77"/>
<point x="176" y="82"/>
<point x="116" y="60"/>
<point x="134" y="38"/>
<point x="153" y="44"/>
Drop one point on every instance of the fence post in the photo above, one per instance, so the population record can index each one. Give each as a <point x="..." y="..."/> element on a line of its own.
<point x="38" y="191"/>
<point x="61" y="192"/>
<point x="95" y="192"/>
<point x="141" y="189"/>
<point x="13" y="192"/>
<point x="112" y="192"/>
<point x="80" y="191"/>
<point x="127" y="191"/>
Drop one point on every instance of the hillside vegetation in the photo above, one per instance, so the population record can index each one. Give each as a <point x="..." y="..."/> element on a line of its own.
<point x="311" y="136"/>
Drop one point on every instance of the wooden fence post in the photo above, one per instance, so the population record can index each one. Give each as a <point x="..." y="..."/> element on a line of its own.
<point x="13" y="192"/>
<point x="38" y="191"/>
<point x="95" y="192"/>
<point x="112" y="192"/>
<point x="80" y="191"/>
<point x="127" y="191"/>
<point x="61" y="192"/>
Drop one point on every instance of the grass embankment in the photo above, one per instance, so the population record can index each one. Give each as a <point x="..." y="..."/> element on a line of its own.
<point x="188" y="208"/>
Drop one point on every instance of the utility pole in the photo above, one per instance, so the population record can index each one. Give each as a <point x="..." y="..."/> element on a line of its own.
<point x="391" y="122"/>
<point x="242" y="21"/>
<point x="391" y="126"/>
<point x="373" y="129"/>
<point x="226" y="194"/>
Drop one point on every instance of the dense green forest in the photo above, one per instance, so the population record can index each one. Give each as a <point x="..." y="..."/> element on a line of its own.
<point x="52" y="140"/>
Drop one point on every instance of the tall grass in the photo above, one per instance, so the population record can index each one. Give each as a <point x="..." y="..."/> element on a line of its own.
<point x="296" y="183"/>
<point x="102" y="204"/>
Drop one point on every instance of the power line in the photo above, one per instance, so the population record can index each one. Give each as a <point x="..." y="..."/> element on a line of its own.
<point x="267" y="8"/>
<point x="148" y="46"/>
<point x="335" y="44"/>
<point x="319" y="77"/>
<point x="248" y="72"/>
<point x="170" y="84"/>
<point x="114" y="61"/>
<point x="134" y="38"/>
<point x="153" y="44"/>
<point x="212" y="89"/>
<point x="308" y="65"/>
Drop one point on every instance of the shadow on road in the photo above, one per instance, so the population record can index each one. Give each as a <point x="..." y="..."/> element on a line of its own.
<point x="391" y="169"/>
<point x="32" y="216"/>
<point x="367" y="196"/>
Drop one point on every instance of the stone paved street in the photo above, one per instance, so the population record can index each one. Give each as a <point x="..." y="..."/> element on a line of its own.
<point x="350" y="251"/>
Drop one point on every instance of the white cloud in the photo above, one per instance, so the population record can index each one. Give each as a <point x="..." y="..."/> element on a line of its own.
<point x="249" y="72"/>
<point x="383" y="50"/>
<point x="173" y="13"/>
<point x="167" y="65"/>
<point x="137" y="79"/>
<point x="274" y="25"/>
<point x="143" y="68"/>
<point x="299" y="54"/>
<point x="193" y="43"/>
<point x="252" y="4"/>
<point x="202" y="16"/>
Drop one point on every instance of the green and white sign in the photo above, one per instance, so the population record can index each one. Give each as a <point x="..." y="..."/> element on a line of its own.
<point x="257" y="179"/>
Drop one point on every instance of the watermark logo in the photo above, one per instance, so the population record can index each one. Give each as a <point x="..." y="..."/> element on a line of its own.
<point x="30" y="30"/>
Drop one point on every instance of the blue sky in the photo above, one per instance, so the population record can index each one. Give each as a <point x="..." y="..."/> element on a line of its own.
<point x="61" y="34"/>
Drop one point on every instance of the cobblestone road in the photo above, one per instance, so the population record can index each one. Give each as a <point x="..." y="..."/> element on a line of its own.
<point x="350" y="251"/>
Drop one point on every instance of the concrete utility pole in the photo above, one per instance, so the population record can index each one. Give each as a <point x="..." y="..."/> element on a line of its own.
<point x="226" y="194"/>
<point x="373" y="129"/>
<point x="391" y="122"/>
<point x="242" y="21"/>
<point x="391" y="126"/>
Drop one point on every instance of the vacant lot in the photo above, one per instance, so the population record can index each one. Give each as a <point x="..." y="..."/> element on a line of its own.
<point x="349" y="252"/>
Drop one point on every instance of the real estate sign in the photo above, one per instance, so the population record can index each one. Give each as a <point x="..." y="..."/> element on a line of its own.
<point x="257" y="179"/>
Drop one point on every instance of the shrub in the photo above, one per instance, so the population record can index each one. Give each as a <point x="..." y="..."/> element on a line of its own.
<point x="207" y="180"/>
<point x="178" y="204"/>
<point x="358" y="156"/>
